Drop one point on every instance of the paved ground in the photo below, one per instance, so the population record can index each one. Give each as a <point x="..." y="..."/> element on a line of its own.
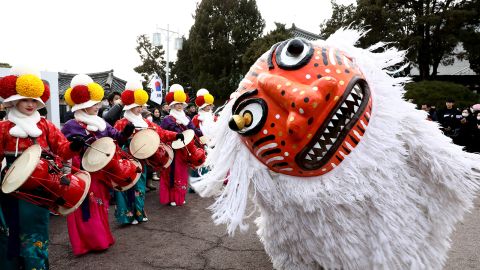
<point x="186" y="238"/>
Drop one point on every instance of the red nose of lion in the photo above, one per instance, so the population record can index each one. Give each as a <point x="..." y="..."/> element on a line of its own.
<point x="300" y="101"/>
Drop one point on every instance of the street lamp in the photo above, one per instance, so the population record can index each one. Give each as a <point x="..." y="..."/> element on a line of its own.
<point x="157" y="41"/>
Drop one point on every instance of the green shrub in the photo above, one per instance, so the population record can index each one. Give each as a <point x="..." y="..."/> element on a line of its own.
<point x="436" y="93"/>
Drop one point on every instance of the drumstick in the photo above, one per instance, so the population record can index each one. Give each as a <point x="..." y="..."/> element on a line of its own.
<point x="186" y="147"/>
<point x="133" y="154"/>
<point x="94" y="148"/>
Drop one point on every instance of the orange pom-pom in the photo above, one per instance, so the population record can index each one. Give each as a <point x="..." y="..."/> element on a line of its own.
<point x="179" y="96"/>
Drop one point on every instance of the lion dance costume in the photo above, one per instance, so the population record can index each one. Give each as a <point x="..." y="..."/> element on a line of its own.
<point x="346" y="174"/>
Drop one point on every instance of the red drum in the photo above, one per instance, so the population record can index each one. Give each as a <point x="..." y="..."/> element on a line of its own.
<point x="190" y="153"/>
<point x="41" y="182"/>
<point x="108" y="162"/>
<point x="146" y="145"/>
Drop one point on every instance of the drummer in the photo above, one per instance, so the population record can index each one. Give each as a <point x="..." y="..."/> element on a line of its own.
<point x="23" y="225"/>
<point x="88" y="226"/>
<point x="130" y="203"/>
<point x="174" y="181"/>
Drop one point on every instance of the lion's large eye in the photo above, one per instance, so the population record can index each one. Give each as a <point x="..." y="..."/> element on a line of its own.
<point x="253" y="113"/>
<point x="293" y="54"/>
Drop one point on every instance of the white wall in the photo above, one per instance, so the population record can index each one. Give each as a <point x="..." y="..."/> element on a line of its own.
<point x="53" y="105"/>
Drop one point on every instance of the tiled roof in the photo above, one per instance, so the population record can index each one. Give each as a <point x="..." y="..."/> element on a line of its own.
<point x="297" y="32"/>
<point x="106" y="79"/>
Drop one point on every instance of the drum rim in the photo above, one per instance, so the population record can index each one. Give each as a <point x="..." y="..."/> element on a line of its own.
<point x="171" y="155"/>
<point x="36" y="152"/>
<point x="66" y="211"/>
<point x="90" y="168"/>
<point x="188" y="134"/>
<point x="134" y="182"/>
<point x="145" y="152"/>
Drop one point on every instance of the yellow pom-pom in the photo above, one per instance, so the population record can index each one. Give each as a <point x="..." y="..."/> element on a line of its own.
<point x="141" y="96"/>
<point x="30" y="86"/>
<point x="68" y="98"/>
<point x="96" y="91"/>
<point x="179" y="96"/>
<point x="208" y="99"/>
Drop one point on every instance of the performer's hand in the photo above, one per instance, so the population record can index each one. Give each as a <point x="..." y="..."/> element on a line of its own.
<point x="128" y="130"/>
<point x="180" y="137"/>
<point x="77" y="142"/>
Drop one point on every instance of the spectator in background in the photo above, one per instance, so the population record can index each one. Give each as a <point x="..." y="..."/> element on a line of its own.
<point x="147" y="114"/>
<point x="156" y="116"/>
<point x="165" y="111"/>
<point x="432" y="114"/>
<point x="466" y="129"/>
<point x="191" y="110"/>
<point x="113" y="98"/>
<point x="449" y="119"/>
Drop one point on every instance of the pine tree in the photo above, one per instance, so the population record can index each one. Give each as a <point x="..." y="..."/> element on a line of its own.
<point x="221" y="34"/>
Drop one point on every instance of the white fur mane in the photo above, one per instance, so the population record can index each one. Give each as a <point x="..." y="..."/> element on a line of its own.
<point x="391" y="204"/>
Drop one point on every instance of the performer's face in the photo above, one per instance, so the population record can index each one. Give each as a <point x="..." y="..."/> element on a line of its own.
<point x="93" y="110"/>
<point x="137" y="110"/>
<point x="27" y="106"/>
<point x="178" y="107"/>
<point x="207" y="108"/>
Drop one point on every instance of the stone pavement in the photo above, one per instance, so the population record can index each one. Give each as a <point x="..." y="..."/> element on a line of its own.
<point x="186" y="238"/>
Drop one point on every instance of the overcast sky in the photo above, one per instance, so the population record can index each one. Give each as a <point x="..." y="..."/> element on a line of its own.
<point x="98" y="35"/>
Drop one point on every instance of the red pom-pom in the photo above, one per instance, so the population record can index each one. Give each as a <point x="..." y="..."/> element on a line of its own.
<point x="80" y="94"/>
<point x="128" y="97"/>
<point x="199" y="101"/>
<point x="46" y="93"/>
<point x="169" y="97"/>
<point x="8" y="86"/>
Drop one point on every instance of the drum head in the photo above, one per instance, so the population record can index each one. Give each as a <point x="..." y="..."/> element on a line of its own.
<point x="188" y="135"/>
<point x="93" y="160"/>
<point x="144" y="143"/>
<point x="170" y="153"/>
<point x="85" y="176"/>
<point x="204" y="139"/>
<point x="21" y="168"/>
<point x="137" y="177"/>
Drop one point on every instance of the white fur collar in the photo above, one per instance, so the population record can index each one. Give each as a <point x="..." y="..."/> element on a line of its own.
<point x="206" y="122"/>
<point x="136" y="120"/>
<point x="180" y="116"/>
<point x="25" y="125"/>
<point x="94" y="122"/>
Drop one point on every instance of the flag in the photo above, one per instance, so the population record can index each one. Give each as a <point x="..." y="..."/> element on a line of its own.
<point x="156" y="95"/>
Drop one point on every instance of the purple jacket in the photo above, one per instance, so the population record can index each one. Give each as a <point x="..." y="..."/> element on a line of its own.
<point x="72" y="127"/>
<point x="170" y="123"/>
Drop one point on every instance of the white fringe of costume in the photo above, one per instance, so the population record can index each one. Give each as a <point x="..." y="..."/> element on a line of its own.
<point x="136" y="120"/>
<point x="180" y="116"/>
<point x="25" y="125"/>
<point x="206" y="122"/>
<point x="391" y="204"/>
<point x="94" y="122"/>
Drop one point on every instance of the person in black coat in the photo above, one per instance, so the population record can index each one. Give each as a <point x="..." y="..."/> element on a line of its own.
<point x="449" y="119"/>
<point x="466" y="130"/>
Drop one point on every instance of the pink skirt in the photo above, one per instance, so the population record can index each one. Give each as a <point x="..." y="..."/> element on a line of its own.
<point x="177" y="192"/>
<point x="93" y="234"/>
